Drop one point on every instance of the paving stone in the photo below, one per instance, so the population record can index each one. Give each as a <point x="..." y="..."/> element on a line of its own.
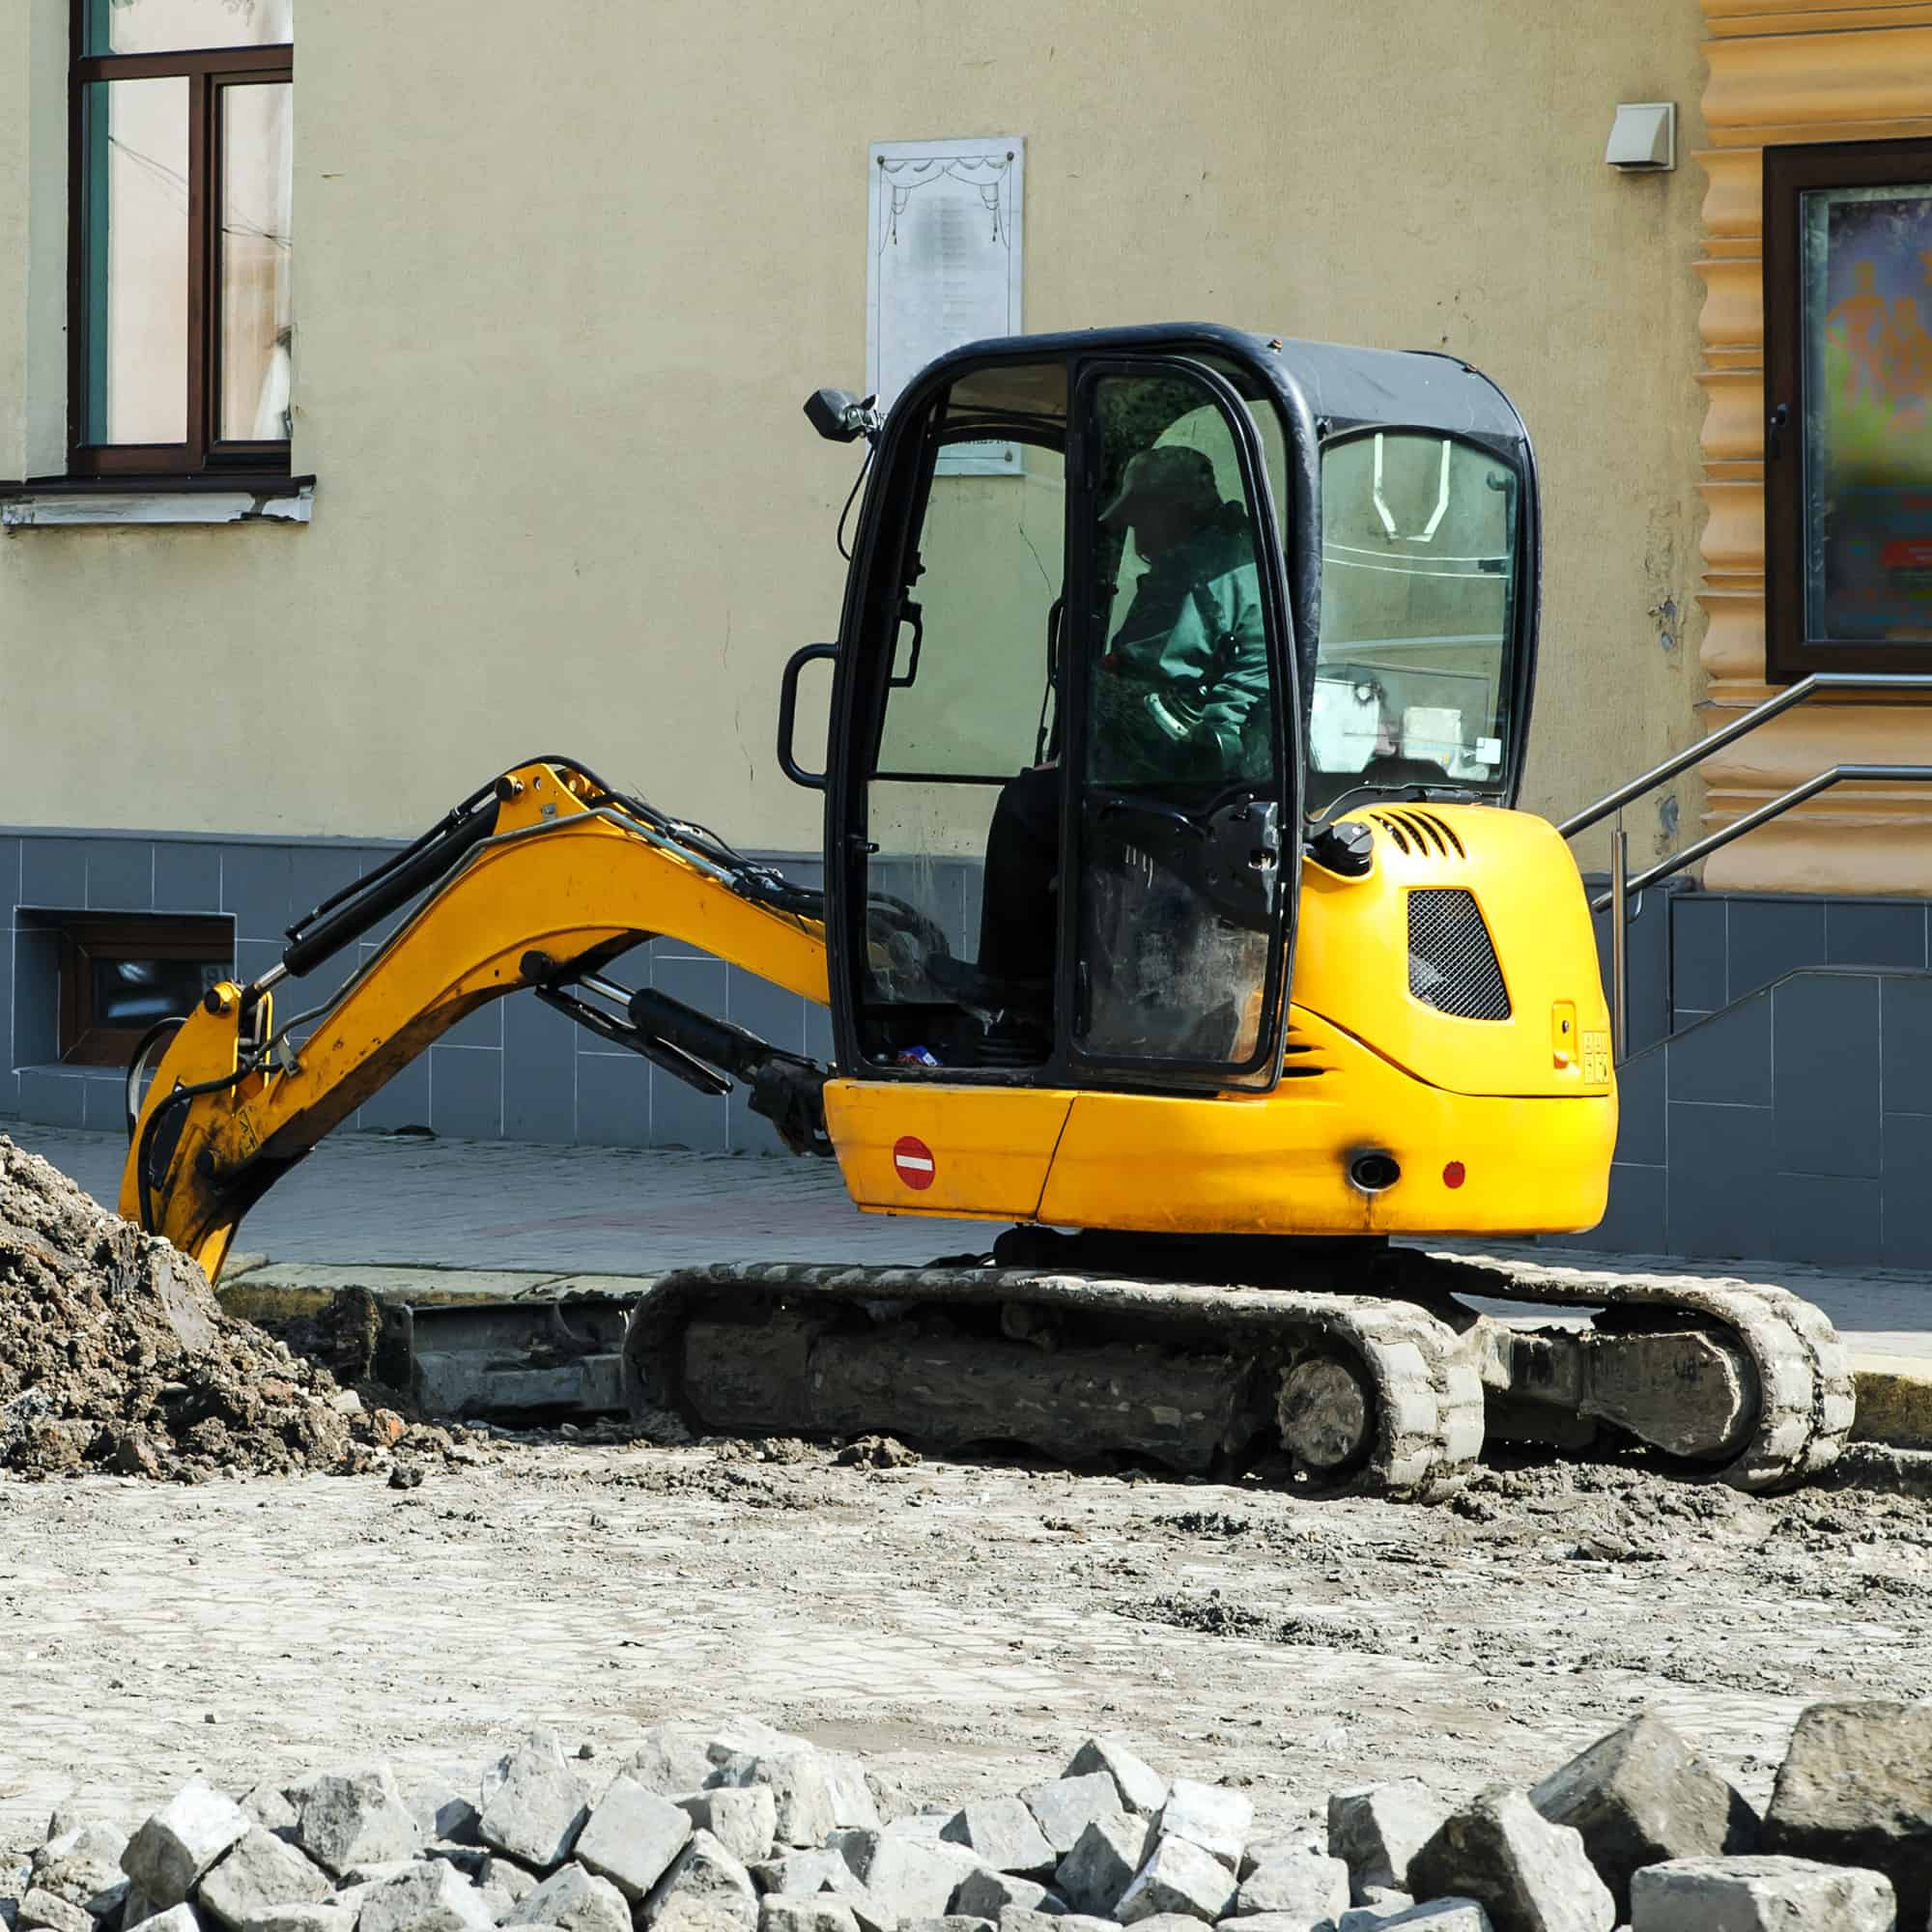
<point x="1003" y="1834"/>
<point x="1094" y="1875"/>
<point x="1014" y="1919"/>
<point x="172" y="1850"/>
<point x="886" y="1785"/>
<point x="40" y="1907"/>
<point x="328" y="1917"/>
<point x="743" y="1819"/>
<point x="379" y="1873"/>
<point x="987" y="1893"/>
<point x="175" y="1918"/>
<point x="532" y="1805"/>
<point x="949" y="1921"/>
<point x="1168" y="1921"/>
<point x="82" y="1866"/>
<point x="1528" y="1874"/>
<point x="801" y="1787"/>
<point x="1856" y="1789"/>
<point x="1766" y="1894"/>
<point x="443" y="1807"/>
<point x="907" y="1876"/>
<point x="506" y="1875"/>
<point x="854" y="1807"/>
<point x="632" y="1837"/>
<point x="431" y="1896"/>
<point x="270" y="1808"/>
<point x="257" y="1874"/>
<point x="1641" y="1796"/>
<point x="821" y="1912"/>
<point x="355" y="1818"/>
<point x="1439" y="1914"/>
<point x="672" y="1758"/>
<point x="472" y="1861"/>
<point x="576" y="1900"/>
<point x="703" y="1874"/>
<point x="1065" y="1807"/>
<point x="687" y="1913"/>
<point x="1141" y="1788"/>
<point x="1181" y="1879"/>
<point x="800" y="1874"/>
<point x="1209" y="1815"/>
<point x="1304" y="1881"/>
<point x="1377" y="1829"/>
<point x="1382" y="1907"/>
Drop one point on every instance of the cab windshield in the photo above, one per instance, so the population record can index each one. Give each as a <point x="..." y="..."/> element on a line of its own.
<point x="1418" y="612"/>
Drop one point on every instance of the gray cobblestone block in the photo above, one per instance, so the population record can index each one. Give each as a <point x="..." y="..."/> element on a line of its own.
<point x="687" y="1913"/>
<point x="82" y="1866"/>
<point x="328" y="1917"/>
<point x="576" y="1900"/>
<point x="472" y="1861"/>
<point x="379" y="1873"/>
<point x="1305" y="1880"/>
<point x="1761" y="1894"/>
<point x="743" y="1818"/>
<point x="532" y="1805"/>
<point x="1096" y="1872"/>
<point x="180" y="1917"/>
<point x="781" y="1912"/>
<point x="1065" y="1807"/>
<point x="672" y="1758"/>
<point x="801" y="1787"/>
<point x="907" y="1876"/>
<point x="1168" y="1921"/>
<point x="1002" y="1832"/>
<point x="1180" y="1879"/>
<point x="632" y="1837"/>
<point x="886" y="1786"/>
<point x="1209" y="1815"/>
<point x="1276" y="1921"/>
<point x="1377" y="1829"/>
<point x="443" y="1807"/>
<point x="1526" y="1873"/>
<point x="854" y="1807"/>
<point x="800" y="1874"/>
<point x="1439" y="1914"/>
<point x="258" y="1873"/>
<point x="949" y="1921"/>
<point x="703" y="1874"/>
<point x="271" y="1809"/>
<point x="988" y="1894"/>
<point x="136" y="1908"/>
<point x="355" y="1818"/>
<point x="1641" y="1796"/>
<point x="39" y="1909"/>
<point x="1856" y="1789"/>
<point x="172" y="1850"/>
<point x="431" y="1896"/>
<point x="1141" y="1788"/>
<point x="1014" y="1919"/>
<point x="1381" y="1907"/>
<point x="506" y="1875"/>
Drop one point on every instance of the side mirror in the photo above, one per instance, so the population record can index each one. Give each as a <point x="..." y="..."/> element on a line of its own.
<point x="788" y="714"/>
<point x="839" y="417"/>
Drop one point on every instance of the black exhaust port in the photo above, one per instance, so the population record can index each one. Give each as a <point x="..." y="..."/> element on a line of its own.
<point x="1375" y="1173"/>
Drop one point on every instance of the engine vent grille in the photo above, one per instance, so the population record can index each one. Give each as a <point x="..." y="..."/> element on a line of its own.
<point x="1419" y="832"/>
<point x="1451" y="963"/>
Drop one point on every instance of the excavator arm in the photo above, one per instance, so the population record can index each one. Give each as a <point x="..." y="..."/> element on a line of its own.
<point x="536" y="882"/>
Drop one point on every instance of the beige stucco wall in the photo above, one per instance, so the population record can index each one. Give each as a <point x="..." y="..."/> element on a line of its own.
<point x="563" y="277"/>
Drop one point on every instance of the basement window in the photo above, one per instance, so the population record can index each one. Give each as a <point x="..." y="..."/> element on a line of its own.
<point x="121" y="975"/>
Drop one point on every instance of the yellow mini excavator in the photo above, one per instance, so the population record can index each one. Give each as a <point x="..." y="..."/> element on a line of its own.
<point x="1175" y="910"/>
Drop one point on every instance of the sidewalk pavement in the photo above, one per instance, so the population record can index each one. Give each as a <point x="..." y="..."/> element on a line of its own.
<point x="541" y="1215"/>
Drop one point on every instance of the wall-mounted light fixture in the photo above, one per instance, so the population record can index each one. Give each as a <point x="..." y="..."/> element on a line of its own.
<point x="1643" y="137"/>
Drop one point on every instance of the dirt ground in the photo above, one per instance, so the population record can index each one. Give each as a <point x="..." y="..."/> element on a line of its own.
<point x="967" y="1625"/>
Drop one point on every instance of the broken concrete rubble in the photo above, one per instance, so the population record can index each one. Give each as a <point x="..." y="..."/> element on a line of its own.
<point x="532" y="1805"/>
<point x="631" y="1837"/>
<point x="1209" y="1815"/>
<point x="347" y="1819"/>
<point x="1065" y="1808"/>
<point x="1002" y="1832"/>
<point x="1141" y="1788"/>
<point x="1304" y="1881"/>
<point x="185" y="1837"/>
<point x="1180" y="1879"/>
<point x="1767" y="1893"/>
<point x="1376" y="1830"/>
<point x="1528" y="1874"/>
<point x="260" y="1872"/>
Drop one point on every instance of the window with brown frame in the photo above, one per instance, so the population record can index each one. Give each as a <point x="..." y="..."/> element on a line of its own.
<point x="119" y="976"/>
<point x="1848" y="397"/>
<point x="181" y="119"/>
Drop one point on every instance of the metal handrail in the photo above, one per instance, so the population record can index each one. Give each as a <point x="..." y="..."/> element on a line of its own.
<point x="1622" y="885"/>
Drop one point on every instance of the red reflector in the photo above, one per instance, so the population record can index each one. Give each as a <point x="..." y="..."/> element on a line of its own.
<point x="1453" y="1175"/>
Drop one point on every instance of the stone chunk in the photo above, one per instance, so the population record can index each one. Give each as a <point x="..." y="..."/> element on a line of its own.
<point x="83" y="1867"/>
<point x="632" y="1837"/>
<point x="1856" y="1789"/>
<point x="822" y="1913"/>
<point x="703" y="1875"/>
<point x="907" y="1876"/>
<point x="949" y="1921"/>
<point x="743" y="1818"/>
<point x="1528" y="1874"/>
<point x="1012" y="1919"/>
<point x="1377" y="1829"/>
<point x="1095" y="1874"/>
<point x="800" y="1788"/>
<point x="1142" y="1789"/>
<point x="1439" y="1914"/>
<point x="854" y="1807"/>
<point x="988" y="1894"/>
<point x="800" y="1874"/>
<point x="1760" y="1894"/>
<point x="270" y="1808"/>
<point x="433" y="1896"/>
<point x="1065" y="1807"/>
<point x="532" y="1804"/>
<point x="172" y="1850"/>
<point x="40" y="1909"/>
<point x="324" y="1918"/>
<point x="1003" y="1834"/>
<point x="355" y="1818"/>
<point x="576" y="1900"/>
<point x="442" y="1809"/>
<point x="259" y="1874"/>
<point x="1302" y="1881"/>
<point x="136" y="1908"/>
<point x="1641" y="1796"/>
<point x="1181" y="1879"/>
<point x="1209" y="1815"/>
<point x="176" y="1918"/>
<point x="672" y="1758"/>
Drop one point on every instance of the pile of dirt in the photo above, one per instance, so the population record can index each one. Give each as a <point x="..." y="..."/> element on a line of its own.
<point x="114" y="1353"/>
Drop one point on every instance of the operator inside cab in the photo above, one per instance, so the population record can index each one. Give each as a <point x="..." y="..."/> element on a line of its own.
<point x="1177" y="708"/>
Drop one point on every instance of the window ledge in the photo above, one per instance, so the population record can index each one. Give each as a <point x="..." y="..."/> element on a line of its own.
<point x="177" y="499"/>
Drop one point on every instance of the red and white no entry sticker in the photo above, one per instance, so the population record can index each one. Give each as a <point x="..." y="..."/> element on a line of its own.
<point x="913" y="1160"/>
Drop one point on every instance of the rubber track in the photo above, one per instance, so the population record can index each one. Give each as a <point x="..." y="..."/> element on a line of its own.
<point x="1428" y="1406"/>
<point x="1806" y="1394"/>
